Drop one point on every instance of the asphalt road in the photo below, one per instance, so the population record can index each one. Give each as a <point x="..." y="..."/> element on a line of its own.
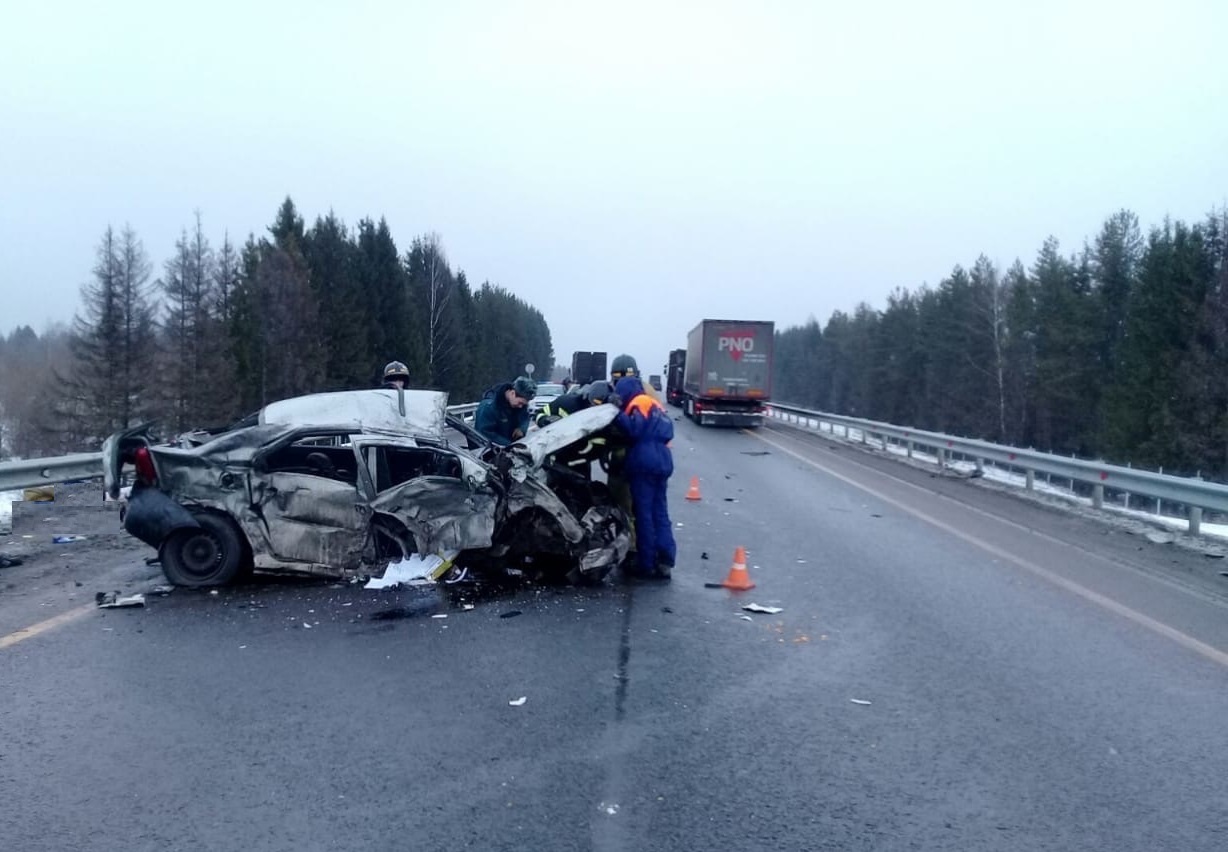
<point x="952" y="669"/>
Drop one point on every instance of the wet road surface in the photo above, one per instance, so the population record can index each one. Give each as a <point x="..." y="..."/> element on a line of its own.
<point x="924" y="687"/>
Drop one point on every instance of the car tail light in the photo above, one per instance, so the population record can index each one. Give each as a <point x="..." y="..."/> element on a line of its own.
<point x="143" y="462"/>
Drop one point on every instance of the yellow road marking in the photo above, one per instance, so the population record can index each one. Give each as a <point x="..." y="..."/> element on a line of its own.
<point x="1184" y="639"/>
<point x="43" y="626"/>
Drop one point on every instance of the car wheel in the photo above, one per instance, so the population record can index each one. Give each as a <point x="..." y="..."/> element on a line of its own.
<point x="212" y="554"/>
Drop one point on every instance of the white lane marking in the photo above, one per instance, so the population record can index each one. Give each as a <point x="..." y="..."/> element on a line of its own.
<point x="1184" y="639"/>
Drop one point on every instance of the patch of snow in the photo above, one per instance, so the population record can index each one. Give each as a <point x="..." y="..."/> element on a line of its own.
<point x="6" y="510"/>
<point x="1002" y="476"/>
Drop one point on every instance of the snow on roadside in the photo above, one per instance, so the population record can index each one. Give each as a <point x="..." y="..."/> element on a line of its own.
<point x="6" y="510"/>
<point x="1018" y="480"/>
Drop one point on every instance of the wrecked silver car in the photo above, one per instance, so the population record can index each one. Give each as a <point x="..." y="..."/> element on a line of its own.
<point x="343" y="484"/>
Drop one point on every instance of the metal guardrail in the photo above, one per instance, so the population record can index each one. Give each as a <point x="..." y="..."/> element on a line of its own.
<point x="29" y="473"/>
<point x="1195" y="494"/>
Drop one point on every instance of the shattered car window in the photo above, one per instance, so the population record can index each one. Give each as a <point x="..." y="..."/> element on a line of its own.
<point x="323" y="456"/>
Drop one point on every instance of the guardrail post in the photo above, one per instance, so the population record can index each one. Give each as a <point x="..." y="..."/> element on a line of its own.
<point x="1098" y="496"/>
<point x="1195" y="520"/>
<point x="1029" y="477"/>
<point x="942" y="458"/>
<point x="910" y="448"/>
<point x="865" y="436"/>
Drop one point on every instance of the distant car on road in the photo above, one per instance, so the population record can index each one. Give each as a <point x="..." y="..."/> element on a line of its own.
<point x="547" y="392"/>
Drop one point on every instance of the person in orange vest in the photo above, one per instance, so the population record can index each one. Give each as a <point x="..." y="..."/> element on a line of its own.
<point x="648" y="466"/>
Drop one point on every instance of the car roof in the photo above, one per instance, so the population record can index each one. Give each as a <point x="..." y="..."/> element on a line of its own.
<point x="410" y="412"/>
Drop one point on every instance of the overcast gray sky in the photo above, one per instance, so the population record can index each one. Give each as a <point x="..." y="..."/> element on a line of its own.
<point x="628" y="167"/>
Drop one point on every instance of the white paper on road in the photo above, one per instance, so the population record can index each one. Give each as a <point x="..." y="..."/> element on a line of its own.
<point x="415" y="568"/>
<point x="770" y="610"/>
<point x="113" y="601"/>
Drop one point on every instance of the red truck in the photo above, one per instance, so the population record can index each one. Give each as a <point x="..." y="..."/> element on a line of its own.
<point x="727" y="376"/>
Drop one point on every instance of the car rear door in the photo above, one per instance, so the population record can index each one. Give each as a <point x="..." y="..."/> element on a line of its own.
<point x="313" y="514"/>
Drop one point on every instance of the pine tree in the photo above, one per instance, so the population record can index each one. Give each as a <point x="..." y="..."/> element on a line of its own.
<point x="901" y="360"/>
<point x="112" y="344"/>
<point x="383" y="285"/>
<point x="193" y="355"/>
<point x="247" y="345"/>
<point x="1143" y="419"/>
<point x="1020" y="355"/>
<point x="1068" y="326"/>
<point x="331" y="260"/>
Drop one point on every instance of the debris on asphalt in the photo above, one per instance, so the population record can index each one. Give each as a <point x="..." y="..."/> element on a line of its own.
<point x="1223" y="573"/>
<point x="745" y="618"/>
<point x="860" y="701"/>
<point x="875" y="515"/>
<point x="66" y="539"/>
<point x="666" y="609"/>
<point x="467" y="607"/>
<point x="440" y="615"/>
<point x="113" y="600"/>
<point x="1160" y="537"/>
<point x="1208" y="555"/>
<point x="511" y="613"/>
<point x="756" y="453"/>
<point x="703" y="555"/>
<point x="518" y="702"/>
<point x="610" y="810"/>
<point x="714" y="585"/>
<point x="163" y="590"/>
<point x="415" y="568"/>
<point x="306" y="626"/>
<point x="9" y="561"/>
<point x="731" y="500"/>
<point x="679" y="524"/>
<point x="770" y="610"/>
<point x="213" y="592"/>
<point x="153" y="560"/>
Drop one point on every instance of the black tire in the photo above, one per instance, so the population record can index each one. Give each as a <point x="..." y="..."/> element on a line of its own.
<point x="214" y="554"/>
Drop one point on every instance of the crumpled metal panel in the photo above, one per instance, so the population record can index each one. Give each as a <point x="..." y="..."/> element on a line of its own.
<point x="424" y="412"/>
<point x="533" y="494"/>
<point x="541" y="443"/>
<point x="610" y="541"/>
<point x="237" y="447"/>
<point x="442" y="513"/>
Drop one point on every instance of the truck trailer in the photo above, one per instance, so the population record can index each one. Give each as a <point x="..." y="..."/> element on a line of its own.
<point x="727" y="377"/>
<point x="673" y="376"/>
<point x="588" y="367"/>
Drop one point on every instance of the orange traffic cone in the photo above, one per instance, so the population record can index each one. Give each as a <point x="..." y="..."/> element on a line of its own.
<point x="692" y="493"/>
<point x="739" y="577"/>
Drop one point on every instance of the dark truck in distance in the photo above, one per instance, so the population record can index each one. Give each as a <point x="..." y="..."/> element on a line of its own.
<point x="588" y="367"/>
<point x="727" y="375"/>
<point x="673" y="376"/>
